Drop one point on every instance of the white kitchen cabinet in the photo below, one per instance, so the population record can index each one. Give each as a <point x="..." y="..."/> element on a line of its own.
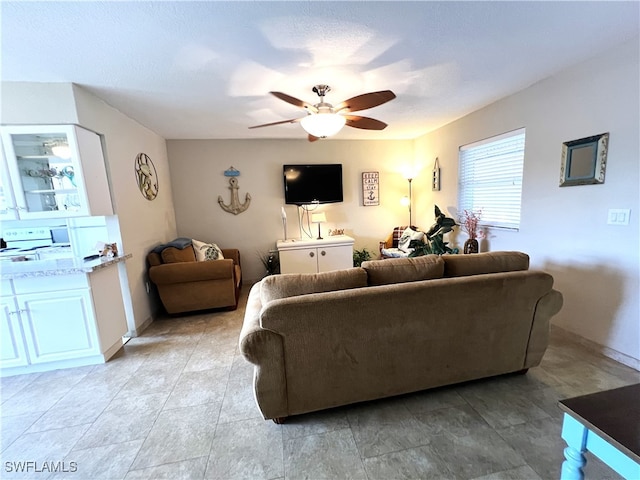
<point x="12" y="348"/>
<point x="58" y="321"/>
<point x="52" y="171"/>
<point x="313" y="256"/>
<point x="59" y="326"/>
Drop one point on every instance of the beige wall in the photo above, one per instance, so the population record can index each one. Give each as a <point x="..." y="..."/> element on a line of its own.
<point x="143" y="223"/>
<point x="197" y="168"/>
<point x="564" y="230"/>
<point x="595" y="265"/>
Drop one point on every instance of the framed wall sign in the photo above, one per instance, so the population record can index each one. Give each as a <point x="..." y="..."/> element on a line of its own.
<point x="370" y="192"/>
<point x="435" y="176"/>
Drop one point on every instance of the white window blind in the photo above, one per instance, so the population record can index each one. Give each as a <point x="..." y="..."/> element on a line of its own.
<point x="490" y="179"/>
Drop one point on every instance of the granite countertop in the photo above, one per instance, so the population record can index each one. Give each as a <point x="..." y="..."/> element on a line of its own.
<point x="60" y="266"/>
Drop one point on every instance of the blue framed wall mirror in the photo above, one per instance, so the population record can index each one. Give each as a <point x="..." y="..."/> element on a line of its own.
<point x="584" y="160"/>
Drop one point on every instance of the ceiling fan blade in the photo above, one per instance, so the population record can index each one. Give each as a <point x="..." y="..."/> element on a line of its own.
<point x="364" y="123"/>
<point x="293" y="101"/>
<point x="311" y="138"/>
<point x="366" y="100"/>
<point x="293" y="120"/>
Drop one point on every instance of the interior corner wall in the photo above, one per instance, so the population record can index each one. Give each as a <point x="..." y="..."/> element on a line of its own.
<point x="197" y="175"/>
<point x="596" y="266"/>
<point x="143" y="223"/>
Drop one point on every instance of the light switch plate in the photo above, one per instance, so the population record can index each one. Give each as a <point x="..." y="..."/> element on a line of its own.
<point x="618" y="216"/>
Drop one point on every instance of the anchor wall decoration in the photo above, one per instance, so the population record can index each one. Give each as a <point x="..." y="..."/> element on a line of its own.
<point x="235" y="206"/>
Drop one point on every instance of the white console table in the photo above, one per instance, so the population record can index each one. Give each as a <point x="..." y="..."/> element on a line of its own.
<point x="313" y="256"/>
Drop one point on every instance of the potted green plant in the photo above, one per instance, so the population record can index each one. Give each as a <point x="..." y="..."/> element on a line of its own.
<point x="360" y="256"/>
<point x="271" y="262"/>
<point x="434" y="238"/>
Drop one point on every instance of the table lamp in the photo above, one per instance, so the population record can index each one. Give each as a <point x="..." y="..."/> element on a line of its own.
<point x="318" y="218"/>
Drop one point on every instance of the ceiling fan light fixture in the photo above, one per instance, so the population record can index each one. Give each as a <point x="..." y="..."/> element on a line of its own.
<point x="323" y="120"/>
<point x="323" y="125"/>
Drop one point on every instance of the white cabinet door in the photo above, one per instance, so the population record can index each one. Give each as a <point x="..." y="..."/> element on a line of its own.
<point x="46" y="174"/>
<point x="58" y="325"/>
<point x="335" y="258"/>
<point x="12" y="347"/>
<point x="303" y="260"/>
<point x="8" y="209"/>
<point x="313" y="256"/>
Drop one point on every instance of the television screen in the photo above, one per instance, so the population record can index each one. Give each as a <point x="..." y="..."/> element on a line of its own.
<point x="319" y="183"/>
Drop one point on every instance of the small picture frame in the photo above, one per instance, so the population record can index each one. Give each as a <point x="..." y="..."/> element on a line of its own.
<point x="435" y="178"/>
<point x="584" y="161"/>
<point x="370" y="189"/>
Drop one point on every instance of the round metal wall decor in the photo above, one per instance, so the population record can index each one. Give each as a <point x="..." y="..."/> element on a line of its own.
<point x="146" y="176"/>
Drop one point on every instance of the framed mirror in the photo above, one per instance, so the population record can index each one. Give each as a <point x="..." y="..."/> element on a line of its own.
<point x="584" y="160"/>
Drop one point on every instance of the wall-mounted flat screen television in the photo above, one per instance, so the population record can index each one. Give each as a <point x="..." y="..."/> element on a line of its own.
<point x="315" y="183"/>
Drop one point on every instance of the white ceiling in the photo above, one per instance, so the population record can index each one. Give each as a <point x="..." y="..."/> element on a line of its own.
<point x="204" y="69"/>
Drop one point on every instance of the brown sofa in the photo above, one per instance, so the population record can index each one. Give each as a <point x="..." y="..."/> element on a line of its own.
<point x="186" y="285"/>
<point x="393" y="326"/>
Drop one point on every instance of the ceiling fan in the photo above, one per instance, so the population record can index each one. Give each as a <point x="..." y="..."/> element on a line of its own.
<point x="323" y="119"/>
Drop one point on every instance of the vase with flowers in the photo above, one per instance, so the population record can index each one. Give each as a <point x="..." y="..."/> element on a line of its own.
<point x="469" y="220"/>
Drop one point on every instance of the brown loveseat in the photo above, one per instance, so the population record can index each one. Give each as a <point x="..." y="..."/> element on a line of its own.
<point x="186" y="285"/>
<point x="392" y="327"/>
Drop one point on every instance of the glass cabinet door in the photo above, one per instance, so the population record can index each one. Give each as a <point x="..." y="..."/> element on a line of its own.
<point x="45" y="173"/>
<point x="8" y="210"/>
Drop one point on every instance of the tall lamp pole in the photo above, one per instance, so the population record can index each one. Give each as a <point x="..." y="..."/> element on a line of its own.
<point x="410" y="221"/>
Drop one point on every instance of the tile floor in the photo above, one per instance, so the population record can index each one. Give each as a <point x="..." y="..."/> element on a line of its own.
<point x="177" y="403"/>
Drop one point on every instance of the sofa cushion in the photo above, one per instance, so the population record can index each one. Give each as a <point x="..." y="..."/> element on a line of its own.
<point x="176" y="255"/>
<point x="207" y="251"/>
<point x="274" y="287"/>
<point x="486" y="262"/>
<point x="399" y="270"/>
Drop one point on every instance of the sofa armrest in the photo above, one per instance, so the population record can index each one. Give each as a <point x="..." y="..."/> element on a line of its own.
<point x="182" y="272"/>
<point x="254" y="341"/>
<point x="387" y="243"/>
<point x="232" y="253"/>
<point x="547" y="307"/>
<point x="264" y="349"/>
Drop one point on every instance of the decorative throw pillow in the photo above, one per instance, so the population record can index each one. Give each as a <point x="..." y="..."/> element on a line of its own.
<point x="207" y="251"/>
<point x="407" y="236"/>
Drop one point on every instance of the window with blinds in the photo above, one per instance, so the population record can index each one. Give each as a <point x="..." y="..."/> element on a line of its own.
<point x="490" y="179"/>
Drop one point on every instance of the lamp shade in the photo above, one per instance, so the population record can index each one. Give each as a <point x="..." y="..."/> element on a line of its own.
<point x="318" y="217"/>
<point x="323" y="125"/>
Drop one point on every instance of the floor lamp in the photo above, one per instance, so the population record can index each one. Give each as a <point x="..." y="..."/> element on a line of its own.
<point x="406" y="201"/>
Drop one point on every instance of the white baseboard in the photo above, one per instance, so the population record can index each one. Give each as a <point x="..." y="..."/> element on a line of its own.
<point x="596" y="347"/>
<point x="140" y="328"/>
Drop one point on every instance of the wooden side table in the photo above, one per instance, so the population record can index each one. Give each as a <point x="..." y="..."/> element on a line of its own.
<point x="608" y="425"/>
